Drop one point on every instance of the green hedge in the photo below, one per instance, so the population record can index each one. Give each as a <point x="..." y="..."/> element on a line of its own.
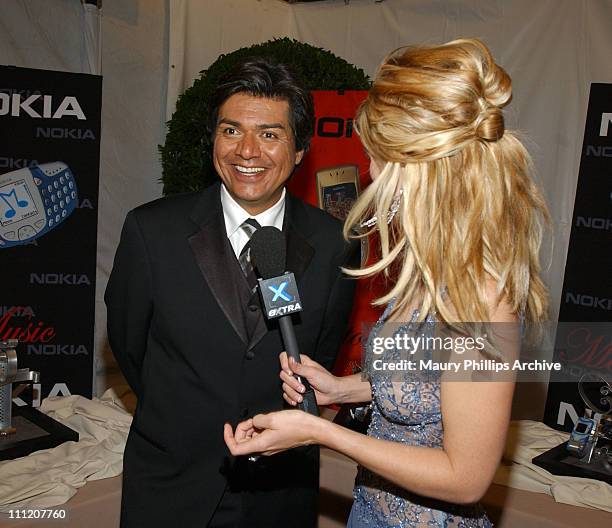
<point x="186" y="155"/>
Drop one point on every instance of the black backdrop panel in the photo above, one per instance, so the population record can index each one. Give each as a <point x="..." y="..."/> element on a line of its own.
<point x="587" y="287"/>
<point x="49" y="284"/>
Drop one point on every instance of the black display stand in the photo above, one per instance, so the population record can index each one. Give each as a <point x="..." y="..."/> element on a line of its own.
<point x="559" y="462"/>
<point x="35" y="431"/>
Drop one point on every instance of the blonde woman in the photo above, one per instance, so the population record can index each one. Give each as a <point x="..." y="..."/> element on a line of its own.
<point x="458" y="220"/>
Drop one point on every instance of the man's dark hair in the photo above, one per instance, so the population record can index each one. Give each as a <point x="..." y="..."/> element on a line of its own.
<point x="264" y="77"/>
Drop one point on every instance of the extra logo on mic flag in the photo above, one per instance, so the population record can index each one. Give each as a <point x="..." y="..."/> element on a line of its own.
<point x="280" y="296"/>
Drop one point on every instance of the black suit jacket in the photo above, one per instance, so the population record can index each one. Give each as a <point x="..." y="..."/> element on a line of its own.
<point x="194" y="346"/>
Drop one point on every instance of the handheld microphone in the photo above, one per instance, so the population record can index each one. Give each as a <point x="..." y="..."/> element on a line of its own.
<point x="280" y="297"/>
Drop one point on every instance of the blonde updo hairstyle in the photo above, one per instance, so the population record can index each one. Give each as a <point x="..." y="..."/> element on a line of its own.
<point x="469" y="210"/>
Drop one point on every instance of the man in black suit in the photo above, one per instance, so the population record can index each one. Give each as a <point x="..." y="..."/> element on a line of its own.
<point x="188" y="331"/>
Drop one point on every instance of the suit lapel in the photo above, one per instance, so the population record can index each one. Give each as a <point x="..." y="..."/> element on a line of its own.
<point x="299" y="253"/>
<point x="295" y="227"/>
<point x="217" y="262"/>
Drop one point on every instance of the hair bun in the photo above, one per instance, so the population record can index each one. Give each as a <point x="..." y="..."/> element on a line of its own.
<point x="490" y="124"/>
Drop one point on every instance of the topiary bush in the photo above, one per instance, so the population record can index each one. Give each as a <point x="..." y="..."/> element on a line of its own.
<point x="186" y="155"/>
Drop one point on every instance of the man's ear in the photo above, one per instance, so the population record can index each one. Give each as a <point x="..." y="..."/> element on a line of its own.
<point x="298" y="156"/>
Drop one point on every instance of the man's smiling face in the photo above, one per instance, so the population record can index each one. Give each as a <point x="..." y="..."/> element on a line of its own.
<point x="254" y="151"/>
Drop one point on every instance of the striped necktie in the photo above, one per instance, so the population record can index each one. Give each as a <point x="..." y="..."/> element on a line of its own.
<point x="249" y="226"/>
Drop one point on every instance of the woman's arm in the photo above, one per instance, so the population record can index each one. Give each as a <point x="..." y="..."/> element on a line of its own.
<point x="475" y="418"/>
<point x="354" y="389"/>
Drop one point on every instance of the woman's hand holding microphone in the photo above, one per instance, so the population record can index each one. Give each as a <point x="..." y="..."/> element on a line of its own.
<point x="327" y="387"/>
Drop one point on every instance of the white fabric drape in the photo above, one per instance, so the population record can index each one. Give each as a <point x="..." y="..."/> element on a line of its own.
<point x="134" y="64"/>
<point x="50" y="477"/>
<point x="92" y="35"/>
<point x="42" y="34"/>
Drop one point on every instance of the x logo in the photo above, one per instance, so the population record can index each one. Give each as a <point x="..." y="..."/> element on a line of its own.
<point x="278" y="292"/>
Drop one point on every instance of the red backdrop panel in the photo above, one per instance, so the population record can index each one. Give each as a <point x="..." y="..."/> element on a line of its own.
<point x="335" y="143"/>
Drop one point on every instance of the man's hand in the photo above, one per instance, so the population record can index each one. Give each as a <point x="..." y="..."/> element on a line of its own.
<point x="326" y="385"/>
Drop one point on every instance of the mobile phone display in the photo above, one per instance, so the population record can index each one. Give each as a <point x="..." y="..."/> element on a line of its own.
<point x="581" y="428"/>
<point x="34" y="200"/>
<point x="338" y="189"/>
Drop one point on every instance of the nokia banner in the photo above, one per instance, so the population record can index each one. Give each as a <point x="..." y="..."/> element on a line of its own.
<point x="587" y="288"/>
<point x="49" y="170"/>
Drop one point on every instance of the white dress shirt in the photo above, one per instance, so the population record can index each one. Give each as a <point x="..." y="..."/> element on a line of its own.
<point x="234" y="217"/>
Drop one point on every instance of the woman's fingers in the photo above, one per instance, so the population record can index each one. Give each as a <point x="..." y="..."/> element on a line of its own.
<point x="270" y="433"/>
<point x="264" y="421"/>
<point x="228" y="436"/>
<point x="284" y="361"/>
<point x="287" y="363"/>
<point x="291" y="402"/>
<point x="304" y="361"/>
<point x="291" y="397"/>
<point x="291" y="382"/>
<point x="245" y="446"/>
<point x="244" y="430"/>
<point x="305" y="370"/>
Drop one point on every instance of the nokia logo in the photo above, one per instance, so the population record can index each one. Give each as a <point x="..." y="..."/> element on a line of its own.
<point x="606" y="118"/>
<point x="17" y="311"/>
<point x="334" y="127"/>
<point x="70" y="279"/>
<point x="16" y="163"/>
<point x="64" y="133"/>
<point x="21" y="92"/>
<point x="59" y="389"/>
<point x="598" y="151"/>
<point x="57" y="350"/>
<point x="588" y="301"/>
<point x="604" y="224"/>
<point x="15" y="105"/>
<point x="568" y="410"/>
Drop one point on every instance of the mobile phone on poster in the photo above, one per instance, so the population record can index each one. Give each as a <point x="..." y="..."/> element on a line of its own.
<point x="34" y="200"/>
<point x="338" y="189"/>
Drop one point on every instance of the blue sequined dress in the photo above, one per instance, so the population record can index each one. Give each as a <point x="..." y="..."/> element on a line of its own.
<point x="406" y="411"/>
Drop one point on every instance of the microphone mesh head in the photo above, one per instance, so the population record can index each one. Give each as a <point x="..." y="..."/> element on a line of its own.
<point x="268" y="251"/>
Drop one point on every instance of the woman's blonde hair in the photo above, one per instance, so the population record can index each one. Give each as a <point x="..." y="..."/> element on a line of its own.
<point x="468" y="207"/>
